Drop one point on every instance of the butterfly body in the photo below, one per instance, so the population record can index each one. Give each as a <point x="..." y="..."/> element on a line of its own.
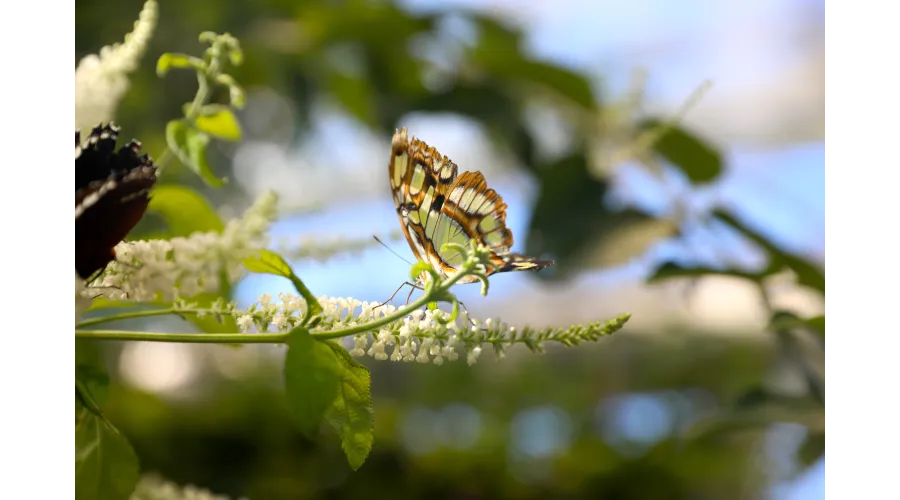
<point x="436" y="206"/>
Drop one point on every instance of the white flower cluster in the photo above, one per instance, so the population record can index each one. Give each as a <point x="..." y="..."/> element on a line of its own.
<point x="421" y="336"/>
<point x="186" y="266"/>
<point x="101" y="80"/>
<point x="152" y="487"/>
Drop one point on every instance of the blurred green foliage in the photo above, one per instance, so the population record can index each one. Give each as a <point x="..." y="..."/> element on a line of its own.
<point x="378" y="63"/>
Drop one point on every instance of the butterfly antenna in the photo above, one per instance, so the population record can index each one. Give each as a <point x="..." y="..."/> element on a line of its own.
<point x="391" y="250"/>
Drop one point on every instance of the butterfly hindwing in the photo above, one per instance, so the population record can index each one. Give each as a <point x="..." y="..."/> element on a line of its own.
<point x="112" y="192"/>
<point x="436" y="207"/>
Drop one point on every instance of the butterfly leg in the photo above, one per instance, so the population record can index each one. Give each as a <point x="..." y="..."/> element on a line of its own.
<point x="411" y="290"/>
<point x="468" y="316"/>
<point x="398" y="290"/>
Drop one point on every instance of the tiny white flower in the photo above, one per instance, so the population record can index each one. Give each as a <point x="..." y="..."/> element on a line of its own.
<point x="245" y="322"/>
<point x="424" y="350"/>
<point x="473" y="355"/>
<point x="360" y="342"/>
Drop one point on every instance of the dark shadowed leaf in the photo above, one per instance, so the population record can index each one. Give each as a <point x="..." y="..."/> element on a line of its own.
<point x="354" y="94"/>
<point x="670" y="270"/>
<point x="91" y="387"/>
<point x="812" y="449"/>
<point x="701" y="162"/>
<point x="808" y="274"/>
<point x="786" y="320"/>
<point x="105" y="464"/>
<point x="499" y="52"/>
<point x="572" y="223"/>
<point x="312" y="376"/>
<point x="490" y="104"/>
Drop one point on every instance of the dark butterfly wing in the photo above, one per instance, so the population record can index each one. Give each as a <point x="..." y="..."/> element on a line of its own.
<point x="112" y="191"/>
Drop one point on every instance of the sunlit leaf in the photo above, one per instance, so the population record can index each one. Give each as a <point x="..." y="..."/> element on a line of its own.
<point x="189" y="145"/>
<point x="184" y="210"/>
<point x="351" y="413"/>
<point x="269" y="262"/>
<point x="219" y="121"/>
<point x="170" y="60"/>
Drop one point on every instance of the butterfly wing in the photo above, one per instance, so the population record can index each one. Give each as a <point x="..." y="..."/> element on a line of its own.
<point x="420" y="180"/>
<point x="480" y="213"/>
<point x="435" y="207"/>
<point x="111" y="195"/>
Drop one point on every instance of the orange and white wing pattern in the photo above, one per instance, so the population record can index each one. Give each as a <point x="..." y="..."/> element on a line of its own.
<point x="436" y="207"/>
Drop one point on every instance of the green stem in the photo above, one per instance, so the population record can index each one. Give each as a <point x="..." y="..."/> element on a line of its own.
<point x="399" y="313"/>
<point x="198" y="102"/>
<point x="251" y="338"/>
<point x="195" y="338"/>
<point x="141" y="314"/>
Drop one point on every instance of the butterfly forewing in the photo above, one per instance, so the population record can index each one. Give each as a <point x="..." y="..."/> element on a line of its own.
<point x="435" y="207"/>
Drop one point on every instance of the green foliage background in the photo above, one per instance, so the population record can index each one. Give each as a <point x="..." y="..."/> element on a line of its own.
<point x="237" y="437"/>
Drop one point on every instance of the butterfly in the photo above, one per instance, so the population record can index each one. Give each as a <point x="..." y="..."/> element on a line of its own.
<point x="436" y="207"/>
<point x="112" y="191"/>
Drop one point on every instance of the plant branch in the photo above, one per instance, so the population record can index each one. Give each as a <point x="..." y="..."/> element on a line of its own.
<point x="194" y="338"/>
<point x="144" y="314"/>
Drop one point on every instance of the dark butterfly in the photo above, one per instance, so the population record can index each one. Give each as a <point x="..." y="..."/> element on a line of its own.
<point x="112" y="191"/>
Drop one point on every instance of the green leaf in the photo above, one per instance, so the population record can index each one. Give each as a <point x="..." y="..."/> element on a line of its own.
<point x="91" y="380"/>
<point x="219" y="121"/>
<point x="312" y="376"/>
<point x="351" y="413"/>
<point x="354" y="94"/>
<point x="700" y="161"/>
<point x="817" y="323"/>
<point x="91" y="385"/>
<point x="235" y="91"/>
<point x="184" y="210"/>
<point x="197" y="143"/>
<point x="808" y="274"/>
<point x="812" y="449"/>
<point x="786" y="320"/>
<point x="269" y="262"/>
<point x="572" y="223"/>
<point x="171" y="60"/>
<point x="491" y="104"/>
<point x="499" y="51"/>
<point x="105" y="464"/>
<point x="189" y="145"/>
<point x="670" y="270"/>
<point x="567" y="83"/>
